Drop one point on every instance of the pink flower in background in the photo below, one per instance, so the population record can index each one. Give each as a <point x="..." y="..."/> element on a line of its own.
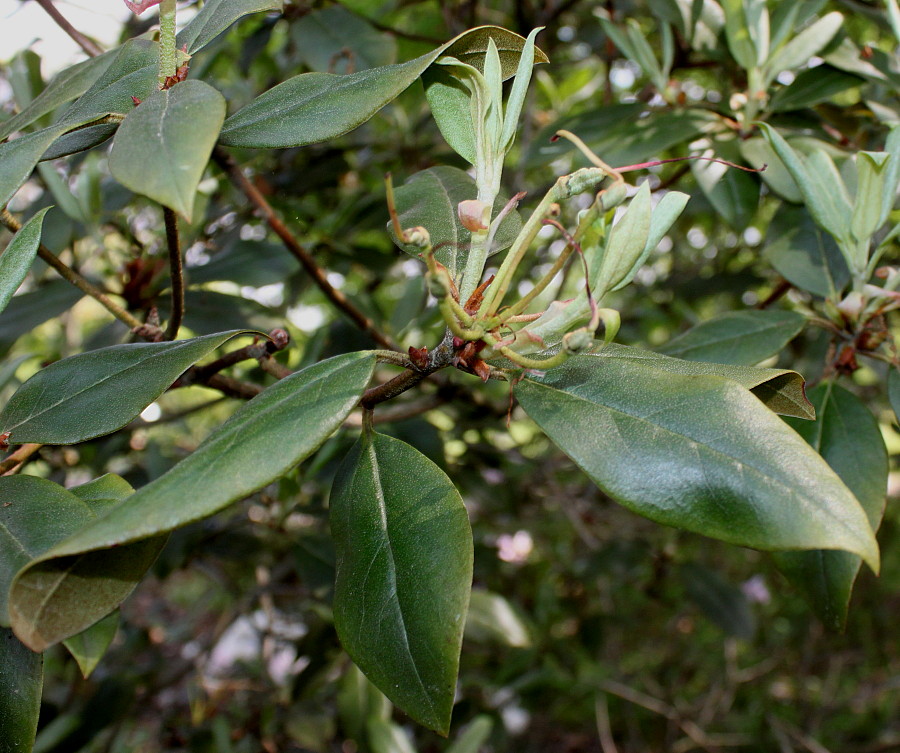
<point x="139" y="6"/>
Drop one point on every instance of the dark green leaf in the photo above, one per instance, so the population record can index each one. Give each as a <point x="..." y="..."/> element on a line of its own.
<point x="333" y="39"/>
<point x="89" y="646"/>
<point x="72" y="82"/>
<point x="30" y="310"/>
<point x="254" y="263"/>
<point x="430" y="198"/>
<point x="780" y="390"/>
<point x="734" y="194"/>
<point x="215" y="17"/>
<point x="404" y="572"/>
<point x="847" y="436"/>
<point x="314" y="107"/>
<point x="737" y="337"/>
<point x="97" y="392"/>
<point x="804" y="254"/>
<point x="179" y="127"/>
<point x="261" y="441"/>
<point x="722" y="602"/>
<point x="698" y="453"/>
<point x="813" y="86"/>
<point x="18" y="257"/>
<point x="19" y="156"/>
<point x="21" y="682"/>
<point x="79" y="140"/>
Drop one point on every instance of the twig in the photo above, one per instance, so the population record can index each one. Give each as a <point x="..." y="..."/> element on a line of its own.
<point x="439" y="358"/>
<point x="780" y="289"/>
<point x="234" y="172"/>
<point x="18" y="457"/>
<point x="176" y="270"/>
<point x="258" y="350"/>
<point x="233" y="387"/>
<point x="400" y="413"/>
<point x="70" y="275"/>
<point x="85" y="43"/>
<point x="604" y="731"/>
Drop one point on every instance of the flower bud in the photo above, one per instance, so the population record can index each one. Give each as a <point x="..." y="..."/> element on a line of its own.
<point x="473" y="214"/>
<point x="139" y="6"/>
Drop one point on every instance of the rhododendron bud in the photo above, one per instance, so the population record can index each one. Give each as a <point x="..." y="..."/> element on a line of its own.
<point x="139" y="6"/>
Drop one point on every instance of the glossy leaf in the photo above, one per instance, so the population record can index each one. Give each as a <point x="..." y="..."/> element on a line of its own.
<point x="179" y="126"/>
<point x="847" y="436"/>
<point x="264" y="439"/>
<point x="333" y="39"/>
<point x="404" y="572"/>
<point x="698" y="453"/>
<point x="430" y="198"/>
<point x="737" y="337"/>
<point x="780" y="390"/>
<point x="804" y="254"/>
<point x="89" y="646"/>
<point x="95" y="393"/>
<point x="18" y="257"/>
<point x="314" y="107"/>
<point x="215" y="17"/>
<point x="71" y="82"/>
<point x="21" y="682"/>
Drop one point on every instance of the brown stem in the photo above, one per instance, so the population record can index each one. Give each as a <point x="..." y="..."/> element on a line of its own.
<point x="86" y="44"/>
<point x="233" y="387"/>
<point x="70" y="275"/>
<point x="438" y="359"/>
<point x="780" y="289"/>
<point x="19" y="456"/>
<point x="176" y="272"/>
<point x="234" y="172"/>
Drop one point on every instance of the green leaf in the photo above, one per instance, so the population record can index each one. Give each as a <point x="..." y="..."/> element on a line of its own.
<point x="18" y="257"/>
<point x="809" y="42"/>
<point x="722" y="602"/>
<point x="333" y="38"/>
<point x="812" y="87"/>
<point x="894" y="391"/>
<point x="21" y="682"/>
<point x="430" y="198"/>
<point x="804" y="254"/>
<point x="95" y="393"/>
<point x="734" y="194"/>
<point x="215" y="17"/>
<point x="89" y="646"/>
<point x="27" y="311"/>
<point x="847" y="436"/>
<point x="179" y="127"/>
<point x="264" y="439"/>
<point x="780" y="390"/>
<point x="404" y="572"/>
<point x="869" y="212"/>
<point x="79" y="140"/>
<point x="35" y="514"/>
<point x="740" y="32"/>
<point x="19" y="156"/>
<point x="823" y="201"/>
<point x="757" y="152"/>
<point x="72" y="82"/>
<point x="626" y="244"/>
<point x="696" y="452"/>
<point x="473" y="736"/>
<point x="737" y="337"/>
<point x="450" y="102"/>
<point x="314" y="107"/>
<point x="492" y="619"/>
<point x="387" y="737"/>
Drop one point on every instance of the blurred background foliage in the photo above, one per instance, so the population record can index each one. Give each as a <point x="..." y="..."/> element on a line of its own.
<point x="591" y="629"/>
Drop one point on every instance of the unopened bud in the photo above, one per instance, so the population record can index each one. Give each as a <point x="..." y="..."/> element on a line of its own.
<point x="473" y="214"/>
<point x="417" y="236"/>
<point x="438" y="285"/>
<point x="578" y="341"/>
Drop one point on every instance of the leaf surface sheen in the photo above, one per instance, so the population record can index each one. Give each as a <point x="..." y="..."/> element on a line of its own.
<point x="21" y="682"/>
<point x="18" y="256"/>
<point x="404" y="574"/>
<point x="698" y="453"/>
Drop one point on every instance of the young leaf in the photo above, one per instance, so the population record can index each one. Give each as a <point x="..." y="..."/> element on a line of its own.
<point x="698" y="453"/>
<point x="430" y="198"/>
<point x="809" y="42"/>
<point x="847" y="436"/>
<point x="179" y="126"/>
<point x="737" y="337"/>
<point x="404" y="572"/>
<point x="626" y="244"/>
<point x="215" y="17"/>
<point x="871" y="177"/>
<point x="95" y="393"/>
<point x="21" y="682"/>
<point x="314" y="107"/>
<point x="260" y="442"/>
<point x="519" y="90"/>
<point x="18" y="256"/>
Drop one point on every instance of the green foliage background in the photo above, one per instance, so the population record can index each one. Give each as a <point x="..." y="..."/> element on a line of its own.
<point x="590" y="627"/>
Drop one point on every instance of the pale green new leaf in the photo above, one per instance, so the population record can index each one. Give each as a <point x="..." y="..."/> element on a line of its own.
<point x="18" y="257"/>
<point x="89" y="646"/>
<point x="519" y="90"/>
<point x="95" y="393"/>
<point x="809" y="42"/>
<point x="738" y="31"/>
<point x="626" y="244"/>
<point x="847" y="436"/>
<point x="179" y="127"/>
<point x="404" y="573"/>
<point x="872" y="174"/>
<point x="696" y="452"/>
